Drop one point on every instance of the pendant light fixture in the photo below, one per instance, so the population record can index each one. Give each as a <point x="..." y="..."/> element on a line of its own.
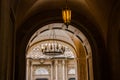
<point x="66" y="15"/>
<point x="53" y="47"/>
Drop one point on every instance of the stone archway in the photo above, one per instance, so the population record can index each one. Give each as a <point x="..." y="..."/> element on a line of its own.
<point x="85" y="25"/>
<point x="76" y="40"/>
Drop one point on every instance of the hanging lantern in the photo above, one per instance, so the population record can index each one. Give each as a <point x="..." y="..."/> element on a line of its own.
<point x="66" y="14"/>
<point x="52" y="47"/>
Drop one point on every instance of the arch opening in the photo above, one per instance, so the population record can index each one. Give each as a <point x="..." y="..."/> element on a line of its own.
<point x="75" y="63"/>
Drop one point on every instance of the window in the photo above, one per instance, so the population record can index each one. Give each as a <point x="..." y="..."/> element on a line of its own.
<point x="71" y="71"/>
<point x="41" y="71"/>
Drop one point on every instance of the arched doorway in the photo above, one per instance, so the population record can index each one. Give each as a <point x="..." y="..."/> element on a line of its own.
<point x="75" y="63"/>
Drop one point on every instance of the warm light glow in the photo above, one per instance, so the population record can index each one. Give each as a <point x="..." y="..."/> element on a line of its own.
<point x="53" y="47"/>
<point x="66" y="14"/>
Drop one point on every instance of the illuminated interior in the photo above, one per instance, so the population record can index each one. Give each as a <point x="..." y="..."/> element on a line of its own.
<point x="61" y="66"/>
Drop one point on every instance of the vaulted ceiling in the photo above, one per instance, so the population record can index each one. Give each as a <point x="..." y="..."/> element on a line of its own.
<point x="102" y="14"/>
<point x="98" y="11"/>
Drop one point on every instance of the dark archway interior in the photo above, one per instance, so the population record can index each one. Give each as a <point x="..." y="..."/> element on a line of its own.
<point x="99" y="20"/>
<point x="96" y="41"/>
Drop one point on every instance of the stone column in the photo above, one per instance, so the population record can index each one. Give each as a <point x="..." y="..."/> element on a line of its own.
<point x="90" y="67"/>
<point x="31" y="71"/>
<point x="66" y="70"/>
<point x="63" y="69"/>
<point x="76" y="69"/>
<point x="28" y="69"/>
<point x="83" y="69"/>
<point x="56" y="69"/>
<point x="52" y="71"/>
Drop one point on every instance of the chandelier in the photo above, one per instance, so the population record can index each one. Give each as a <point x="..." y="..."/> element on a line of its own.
<point x="66" y="15"/>
<point x="52" y="47"/>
